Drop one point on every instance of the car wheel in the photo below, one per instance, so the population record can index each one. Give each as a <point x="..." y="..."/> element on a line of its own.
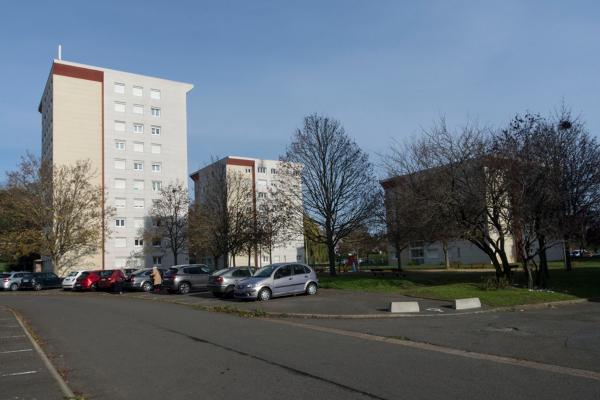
<point x="14" y="287"/>
<point x="184" y="288"/>
<point x="147" y="287"/>
<point x="217" y="294"/>
<point x="311" y="289"/>
<point x="37" y="286"/>
<point x="264" y="294"/>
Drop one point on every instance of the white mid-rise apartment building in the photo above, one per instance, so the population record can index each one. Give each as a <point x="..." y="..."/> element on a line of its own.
<point x="133" y="129"/>
<point x="263" y="175"/>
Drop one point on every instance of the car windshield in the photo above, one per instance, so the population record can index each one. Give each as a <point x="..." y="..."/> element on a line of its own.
<point x="140" y="272"/>
<point x="264" y="272"/>
<point x="72" y="273"/>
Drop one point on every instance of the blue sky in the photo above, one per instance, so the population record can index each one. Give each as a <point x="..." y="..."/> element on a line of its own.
<point x="385" y="69"/>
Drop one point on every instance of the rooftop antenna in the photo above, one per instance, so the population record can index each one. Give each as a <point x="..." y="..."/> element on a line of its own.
<point x="60" y="52"/>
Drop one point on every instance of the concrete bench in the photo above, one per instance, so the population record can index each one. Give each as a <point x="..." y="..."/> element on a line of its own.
<point x="467" y="304"/>
<point x="404" y="307"/>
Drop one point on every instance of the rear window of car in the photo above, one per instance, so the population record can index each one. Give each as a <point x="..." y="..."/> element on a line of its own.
<point x="4" y="275"/>
<point x="84" y="274"/>
<point x="192" y="270"/>
<point x="240" y="273"/>
<point x="106" y="273"/>
<point x="299" y="270"/>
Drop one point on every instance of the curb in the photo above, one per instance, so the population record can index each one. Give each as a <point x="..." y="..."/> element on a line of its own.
<point x="59" y="379"/>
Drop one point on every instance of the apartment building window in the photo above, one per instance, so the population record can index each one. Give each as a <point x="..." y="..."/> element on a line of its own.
<point x="138" y="242"/>
<point x="157" y="261"/>
<point x="138" y="147"/>
<point x="273" y="171"/>
<point x="155" y="242"/>
<point x="120" y="184"/>
<point x="156" y="148"/>
<point x="138" y="109"/>
<point x="262" y="170"/>
<point x="138" y="128"/>
<point x="120" y="126"/>
<point x="120" y="222"/>
<point x="137" y="91"/>
<point x="138" y="165"/>
<point x="156" y="130"/>
<point x="156" y="167"/>
<point x="262" y="195"/>
<point x="248" y="170"/>
<point x="120" y="144"/>
<point x="138" y="203"/>
<point x="120" y="242"/>
<point x="265" y="258"/>
<point x="261" y="183"/>
<point x="119" y="106"/>
<point x="138" y="223"/>
<point x="156" y="186"/>
<point x="119" y="163"/>
<point x="120" y="202"/>
<point x="138" y="185"/>
<point x="155" y="94"/>
<point x="119" y="88"/>
<point x="155" y="111"/>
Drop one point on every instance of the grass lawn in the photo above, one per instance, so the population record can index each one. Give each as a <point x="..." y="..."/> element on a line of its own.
<point x="582" y="282"/>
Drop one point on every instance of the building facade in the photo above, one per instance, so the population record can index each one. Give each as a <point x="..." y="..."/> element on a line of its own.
<point x="133" y="130"/>
<point x="261" y="175"/>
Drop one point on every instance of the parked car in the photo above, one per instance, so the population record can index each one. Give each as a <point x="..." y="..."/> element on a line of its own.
<point x="129" y="271"/>
<point x="185" y="278"/>
<point x="141" y="280"/>
<point x="278" y="280"/>
<point x="69" y="281"/>
<point x="222" y="282"/>
<point x="111" y="279"/>
<point x="11" y="280"/>
<point x="88" y="280"/>
<point x="40" y="280"/>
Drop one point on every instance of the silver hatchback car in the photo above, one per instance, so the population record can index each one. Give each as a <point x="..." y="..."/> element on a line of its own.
<point x="278" y="280"/>
<point x="11" y="280"/>
<point x="222" y="282"/>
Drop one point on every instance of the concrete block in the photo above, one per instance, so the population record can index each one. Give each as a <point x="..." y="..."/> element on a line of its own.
<point x="467" y="304"/>
<point x="404" y="306"/>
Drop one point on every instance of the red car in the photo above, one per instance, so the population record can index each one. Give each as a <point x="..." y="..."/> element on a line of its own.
<point x="88" y="280"/>
<point x="111" y="279"/>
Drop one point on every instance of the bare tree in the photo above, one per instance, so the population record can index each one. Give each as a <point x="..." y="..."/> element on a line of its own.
<point x="57" y="210"/>
<point x="169" y="214"/>
<point x="274" y="225"/>
<point x="338" y="189"/>
<point x="222" y="214"/>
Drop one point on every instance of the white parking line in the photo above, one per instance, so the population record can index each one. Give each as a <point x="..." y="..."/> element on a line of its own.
<point x="19" y="373"/>
<point x="9" y="326"/>
<point x="12" y="337"/>
<point x="15" y="351"/>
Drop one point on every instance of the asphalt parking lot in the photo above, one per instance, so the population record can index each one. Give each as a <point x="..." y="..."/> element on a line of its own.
<point x="23" y="374"/>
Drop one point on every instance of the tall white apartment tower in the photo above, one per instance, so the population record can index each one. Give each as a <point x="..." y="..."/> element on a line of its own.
<point x="133" y="129"/>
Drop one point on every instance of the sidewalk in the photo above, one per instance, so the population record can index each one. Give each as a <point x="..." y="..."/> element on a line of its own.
<point x="327" y="303"/>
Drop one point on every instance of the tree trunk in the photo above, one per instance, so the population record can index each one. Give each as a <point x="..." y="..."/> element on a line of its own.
<point x="233" y="259"/>
<point x="568" y="263"/>
<point x="331" y="254"/>
<point x="175" y="258"/>
<point x="529" y="274"/>
<point x="543" y="269"/>
<point x="446" y="256"/>
<point x="270" y="255"/>
<point x="398" y="256"/>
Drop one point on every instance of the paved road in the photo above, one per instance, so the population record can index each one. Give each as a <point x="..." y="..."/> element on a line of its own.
<point x="23" y="375"/>
<point x="121" y="348"/>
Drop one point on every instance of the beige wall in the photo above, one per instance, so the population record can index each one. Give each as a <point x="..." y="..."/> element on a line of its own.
<point x="77" y="129"/>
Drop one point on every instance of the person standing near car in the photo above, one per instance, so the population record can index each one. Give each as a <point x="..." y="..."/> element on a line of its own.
<point x="156" y="279"/>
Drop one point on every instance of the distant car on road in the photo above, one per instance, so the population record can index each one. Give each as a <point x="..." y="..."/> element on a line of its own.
<point x="40" y="280"/>
<point x="88" y="280"/>
<point x="185" y="278"/>
<point x="222" y="282"/>
<point x="141" y="280"/>
<point x="69" y="281"/>
<point x="278" y="280"/>
<point x="111" y="279"/>
<point x="11" y="280"/>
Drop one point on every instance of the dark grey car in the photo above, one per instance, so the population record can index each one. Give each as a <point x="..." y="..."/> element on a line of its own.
<point x="185" y="278"/>
<point x="11" y="280"/>
<point x="278" y="280"/>
<point x="222" y="282"/>
<point x="141" y="280"/>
